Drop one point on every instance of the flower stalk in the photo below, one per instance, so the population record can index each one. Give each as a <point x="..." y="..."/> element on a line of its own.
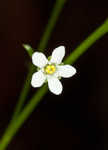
<point x="9" y="134"/>
<point x="58" y="6"/>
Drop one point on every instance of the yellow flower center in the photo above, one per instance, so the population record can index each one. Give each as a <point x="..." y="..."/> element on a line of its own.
<point x="50" y="69"/>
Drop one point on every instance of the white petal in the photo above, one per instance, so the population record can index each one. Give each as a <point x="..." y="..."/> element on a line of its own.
<point x="57" y="55"/>
<point x="39" y="59"/>
<point x="66" y="71"/>
<point x="38" y="79"/>
<point x="55" y="85"/>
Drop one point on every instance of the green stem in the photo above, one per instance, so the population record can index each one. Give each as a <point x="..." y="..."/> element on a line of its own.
<point x="51" y="24"/>
<point x="23" y="95"/>
<point x="44" y="41"/>
<point x="82" y="48"/>
<point x="11" y="131"/>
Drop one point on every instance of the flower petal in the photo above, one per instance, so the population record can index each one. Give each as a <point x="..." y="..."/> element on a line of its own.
<point x="55" y="85"/>
<point x="38" y="79"/>
<point x="39" y="59"/>
<point x="57" y="55"/>
<point x="66" y="71"/>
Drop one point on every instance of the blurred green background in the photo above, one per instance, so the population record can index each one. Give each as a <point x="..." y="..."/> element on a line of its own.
<point x="79" y="117"/>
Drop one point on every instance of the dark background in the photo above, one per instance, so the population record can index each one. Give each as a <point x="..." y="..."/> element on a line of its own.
<point x="78" y="119"/>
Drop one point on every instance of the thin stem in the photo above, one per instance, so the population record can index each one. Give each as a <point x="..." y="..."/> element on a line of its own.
<point x="44" y="41"/>
<point x="21" y="101"/>
<point x="11" y="131"/>
<point x="82" y="48"/>
<point x="51" y="24"/>
<point x="22" y="97"/>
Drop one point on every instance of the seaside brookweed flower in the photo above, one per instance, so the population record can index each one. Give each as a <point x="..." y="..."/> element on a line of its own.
<point x="51" y="70"/>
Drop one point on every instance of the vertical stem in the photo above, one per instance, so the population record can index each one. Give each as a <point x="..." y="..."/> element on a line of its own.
<point x="43" y="43"/>
<point x="59" y="4"/>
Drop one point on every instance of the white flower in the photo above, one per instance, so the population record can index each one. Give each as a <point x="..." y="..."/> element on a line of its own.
<point x="51" y="70"/>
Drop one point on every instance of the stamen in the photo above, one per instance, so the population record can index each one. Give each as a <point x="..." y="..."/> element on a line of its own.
<point x="50" y="69"/>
